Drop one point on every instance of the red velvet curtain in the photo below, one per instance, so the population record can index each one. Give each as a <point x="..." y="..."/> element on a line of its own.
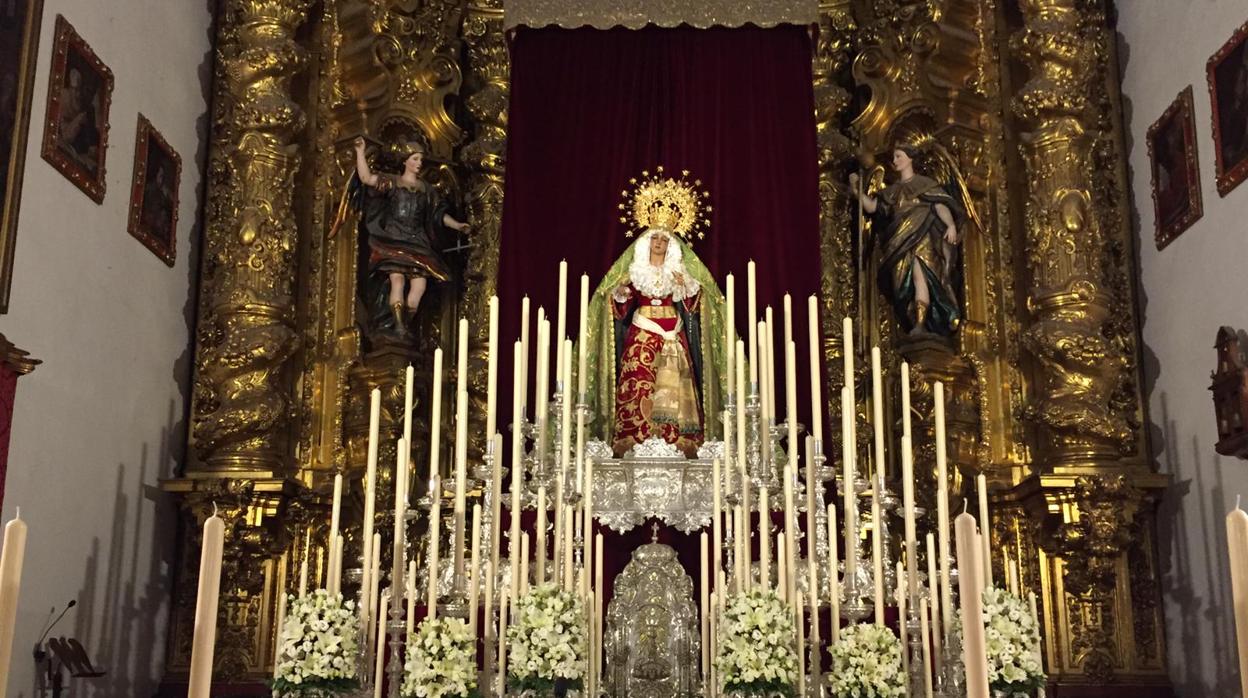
<point x="592" y="108"/>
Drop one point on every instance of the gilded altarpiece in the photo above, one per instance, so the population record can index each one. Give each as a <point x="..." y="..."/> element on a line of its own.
<point x="1042" y="380"/>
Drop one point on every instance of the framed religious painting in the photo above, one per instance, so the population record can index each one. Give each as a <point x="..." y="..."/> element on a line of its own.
<point x="19" y="47"/>
<point x="75" y="129"/>
<point x="1228" y="88"/>
<point x="1176" y="175"/>
<point x="154" y="192"/>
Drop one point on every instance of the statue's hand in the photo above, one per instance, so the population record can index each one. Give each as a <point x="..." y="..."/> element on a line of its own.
<point x="463" y="228"/>
<point x="359" y="144"/>
<point x="853" y="181"/>
<point x="622" y="291"/>
<point x="679" y="278"/>
<point x="951" y="235"/>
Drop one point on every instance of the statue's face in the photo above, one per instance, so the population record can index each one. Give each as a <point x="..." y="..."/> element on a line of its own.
<point x="413" y="162"/>
<point x="901" y="161"/>
<point x="658" y="245"/>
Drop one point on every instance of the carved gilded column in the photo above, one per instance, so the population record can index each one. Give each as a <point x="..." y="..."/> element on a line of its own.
<point x="241" y="446"/>
<point x="1085" y="516"/>
<point x="488" y="86"/>
<point x="241" y="406"/>
<point x="1077" y="367"/>
<point x="838" y="280"/>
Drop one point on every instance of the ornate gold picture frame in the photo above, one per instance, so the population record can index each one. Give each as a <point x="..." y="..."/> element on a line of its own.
<point x="1176" y="174"/>
<point x="154" y="192"/>
<point x="19" y="48"/>
<point x="75" y="130"/>
<point x="1228" y="89"/>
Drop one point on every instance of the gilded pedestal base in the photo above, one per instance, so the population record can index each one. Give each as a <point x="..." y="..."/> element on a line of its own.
<point x="265" y="523"/>
<point x="1088" y="546"/>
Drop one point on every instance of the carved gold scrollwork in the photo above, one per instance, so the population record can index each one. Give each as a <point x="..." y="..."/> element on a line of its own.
<point x="418" y="45"/>
<point x="1099" y="532"/>
<point x="488" y="69"/>
<point x="1079" y="368"/>
<point x="240" y="401"/>
<point x="252" y="540"/>
<point x="838" y="279"/>
<point x="1094" y="540"/>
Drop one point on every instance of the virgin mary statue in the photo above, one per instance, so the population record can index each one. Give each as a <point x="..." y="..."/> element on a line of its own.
<point x="656" y="340"/>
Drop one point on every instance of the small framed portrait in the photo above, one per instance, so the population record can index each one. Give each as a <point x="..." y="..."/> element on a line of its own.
<point x="75" y="130"/>
<point x="154" y="192"/>
<point x="19" y="47"/>
<point x="1228" y="88"/>
<point x="1176" y="175"/>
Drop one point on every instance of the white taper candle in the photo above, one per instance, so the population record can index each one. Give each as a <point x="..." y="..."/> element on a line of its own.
<point x="970" y="589"/>
<point x="751" y="299"/>
<point x="491" y="372"/>
<point x="1237" y="547"/>
<point x="985" y="524"/>
<point x="203" y="636"/>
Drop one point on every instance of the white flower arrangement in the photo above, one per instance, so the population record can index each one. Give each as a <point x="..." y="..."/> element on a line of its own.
<point x="442" y="661"/>
<point x="318" y="646"/>
<point x="757" y="645"/>
<point x="1013" y="643"/>
<point x="548" y="641"/>
<point x="866" y="663"/>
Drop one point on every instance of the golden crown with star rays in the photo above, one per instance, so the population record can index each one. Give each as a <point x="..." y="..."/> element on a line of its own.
<point x="658" y="200"/>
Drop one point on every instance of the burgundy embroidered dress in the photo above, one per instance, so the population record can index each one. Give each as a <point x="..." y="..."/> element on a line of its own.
<point x="657" y="391"/>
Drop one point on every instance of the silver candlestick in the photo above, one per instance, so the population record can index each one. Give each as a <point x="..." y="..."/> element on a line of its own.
<point x="483" y="475"/>
<point x="822" y="475"/>
<point x="856" y="593"/>
<point x="731" y="490"/>
<point x="572" y="497"/>
<point x="491" y="652"/>
<point x="396" y="629"/>
<point x="754" y="451"/>
<point x="776" y="456"/>
<point x="914" y="642"/>
<point x="953" y="677"/>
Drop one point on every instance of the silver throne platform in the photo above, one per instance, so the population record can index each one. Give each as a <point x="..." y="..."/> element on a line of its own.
<point x="654" y="480"/>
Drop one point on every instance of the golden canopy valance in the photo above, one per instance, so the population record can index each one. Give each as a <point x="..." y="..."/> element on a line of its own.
<point x="635" y="14"/>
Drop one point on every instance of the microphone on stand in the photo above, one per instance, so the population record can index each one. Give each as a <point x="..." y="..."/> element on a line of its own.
<point x="39" y="653"/>
<point x="46" y="624"/>
<point x="51" y="673"/>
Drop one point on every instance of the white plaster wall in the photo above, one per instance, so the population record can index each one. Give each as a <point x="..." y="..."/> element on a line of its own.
<point x="102" y="418"/>
<point x="1190" y="288"/>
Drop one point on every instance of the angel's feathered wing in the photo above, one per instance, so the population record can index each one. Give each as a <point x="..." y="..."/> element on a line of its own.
<point x="942" y="167"/>
<point x="351" y="201"/>
<point x="874" y="183"/>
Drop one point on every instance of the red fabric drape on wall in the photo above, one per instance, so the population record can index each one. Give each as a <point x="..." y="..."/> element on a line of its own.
<point x="8" y="385"/>
<point x="592" y="108"/>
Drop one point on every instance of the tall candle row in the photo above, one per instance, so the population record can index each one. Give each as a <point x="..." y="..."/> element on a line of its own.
<point x="761" y="368"/>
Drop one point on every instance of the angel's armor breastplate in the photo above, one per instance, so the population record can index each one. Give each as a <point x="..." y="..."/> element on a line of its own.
<point x="404" y="210"/>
